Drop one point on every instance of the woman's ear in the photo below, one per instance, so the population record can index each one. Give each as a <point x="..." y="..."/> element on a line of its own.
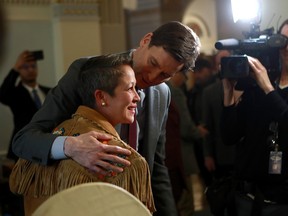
<point x="100" y="98"/>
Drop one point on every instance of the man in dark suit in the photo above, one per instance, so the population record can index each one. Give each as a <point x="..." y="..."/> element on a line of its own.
<point x="19" y="96"/>
<point x="171" y="48"/>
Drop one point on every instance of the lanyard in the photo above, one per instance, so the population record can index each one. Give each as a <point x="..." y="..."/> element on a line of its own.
<point x="273" y="127"/>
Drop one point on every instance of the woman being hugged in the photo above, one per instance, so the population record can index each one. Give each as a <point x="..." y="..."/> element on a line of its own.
<point x="109" y="98"/>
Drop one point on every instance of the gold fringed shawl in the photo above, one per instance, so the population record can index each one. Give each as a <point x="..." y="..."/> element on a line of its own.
<point x="48" y="180"/>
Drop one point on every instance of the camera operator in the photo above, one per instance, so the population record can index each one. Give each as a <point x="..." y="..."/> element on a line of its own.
<point x="256" y="120"/>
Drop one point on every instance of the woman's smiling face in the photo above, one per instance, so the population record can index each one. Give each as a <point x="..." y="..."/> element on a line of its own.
<point x="121" y="107"/>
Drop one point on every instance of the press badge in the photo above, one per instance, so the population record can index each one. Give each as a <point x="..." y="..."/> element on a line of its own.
<point x="275" y="162"/>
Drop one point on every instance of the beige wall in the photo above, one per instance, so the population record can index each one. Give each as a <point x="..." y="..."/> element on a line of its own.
<point x="64" y="32"/>
<point x="202" y="13"/>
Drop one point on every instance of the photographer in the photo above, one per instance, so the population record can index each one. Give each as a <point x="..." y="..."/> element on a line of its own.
<point x="256" y="120"/>
<point x="19" y="96"/>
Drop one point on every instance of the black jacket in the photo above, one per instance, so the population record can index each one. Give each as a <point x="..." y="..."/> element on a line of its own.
<point x="20" y="102"/>
<point x="247" y="125"/>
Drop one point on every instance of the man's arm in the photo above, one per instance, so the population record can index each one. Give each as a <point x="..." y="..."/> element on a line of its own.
<point x="8" y="87"/>
<point x="34" y="142"/>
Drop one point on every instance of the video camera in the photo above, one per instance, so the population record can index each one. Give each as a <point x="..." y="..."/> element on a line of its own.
<point x="262" y="45"/>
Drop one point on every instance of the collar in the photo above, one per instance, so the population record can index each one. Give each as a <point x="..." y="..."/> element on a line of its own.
<point x="29" y="88"/>
<point x="97" y="117"/>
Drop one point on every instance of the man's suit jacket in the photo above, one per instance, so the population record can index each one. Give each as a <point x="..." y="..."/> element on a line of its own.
<point x="63" y="100"/>
<point x="19" y="100"/>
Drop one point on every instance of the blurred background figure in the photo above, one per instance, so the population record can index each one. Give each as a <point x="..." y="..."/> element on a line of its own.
<point x="218" y="158"/>
<point x="189" y="133"/>
<point x="174" y="160"/>
<point x="202" y="76"/>
<point x="23" y="98"/>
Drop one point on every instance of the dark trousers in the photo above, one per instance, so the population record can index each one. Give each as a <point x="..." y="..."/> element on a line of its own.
<point x="204" y="173"/>
<point x="244" y="207"/>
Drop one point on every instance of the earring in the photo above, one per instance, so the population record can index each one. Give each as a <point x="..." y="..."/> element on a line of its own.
<point x="103" y="103"/>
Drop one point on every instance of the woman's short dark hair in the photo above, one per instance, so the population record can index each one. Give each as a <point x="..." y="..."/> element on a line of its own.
<point x="103" y="73"/>
<point x="180" y="41"/>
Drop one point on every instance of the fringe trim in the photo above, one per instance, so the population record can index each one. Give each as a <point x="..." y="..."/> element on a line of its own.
<point x="32" y="179"/>
<point x="49" y="180"/>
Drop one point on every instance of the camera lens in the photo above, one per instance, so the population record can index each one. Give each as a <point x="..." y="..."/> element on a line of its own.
<point x="234" y="67"/>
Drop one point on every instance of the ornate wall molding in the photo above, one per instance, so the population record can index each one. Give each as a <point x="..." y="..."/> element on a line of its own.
<point x="27" y="2"/>
<point x="70" y="11"/>
<point x="108" y="11"/>
<point x="46" y="2"/>
<point x="47" y="9"/>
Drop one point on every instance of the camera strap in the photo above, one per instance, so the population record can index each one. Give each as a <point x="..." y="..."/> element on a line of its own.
<point x="275" y="156"/>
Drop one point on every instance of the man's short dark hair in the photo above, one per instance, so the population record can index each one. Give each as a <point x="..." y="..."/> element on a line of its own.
<point x="180" y="41"/>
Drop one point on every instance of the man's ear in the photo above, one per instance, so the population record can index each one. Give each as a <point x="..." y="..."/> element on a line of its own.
<point x="146" y="39"/>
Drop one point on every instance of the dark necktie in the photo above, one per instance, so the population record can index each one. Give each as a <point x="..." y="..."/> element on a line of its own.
<point x="133" y="129"/>
<point x="129" y="132"/>
<point x="36" y="99"/>
<point x="133" y="134"/>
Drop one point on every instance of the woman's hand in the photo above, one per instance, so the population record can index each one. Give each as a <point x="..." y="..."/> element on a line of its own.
<point x="259" y="73"/>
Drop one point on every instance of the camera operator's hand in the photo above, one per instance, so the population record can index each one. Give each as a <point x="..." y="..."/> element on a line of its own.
<point x="259" y="73"/>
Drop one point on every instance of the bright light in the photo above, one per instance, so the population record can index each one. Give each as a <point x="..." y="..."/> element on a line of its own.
<point x="245" y="9"/>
